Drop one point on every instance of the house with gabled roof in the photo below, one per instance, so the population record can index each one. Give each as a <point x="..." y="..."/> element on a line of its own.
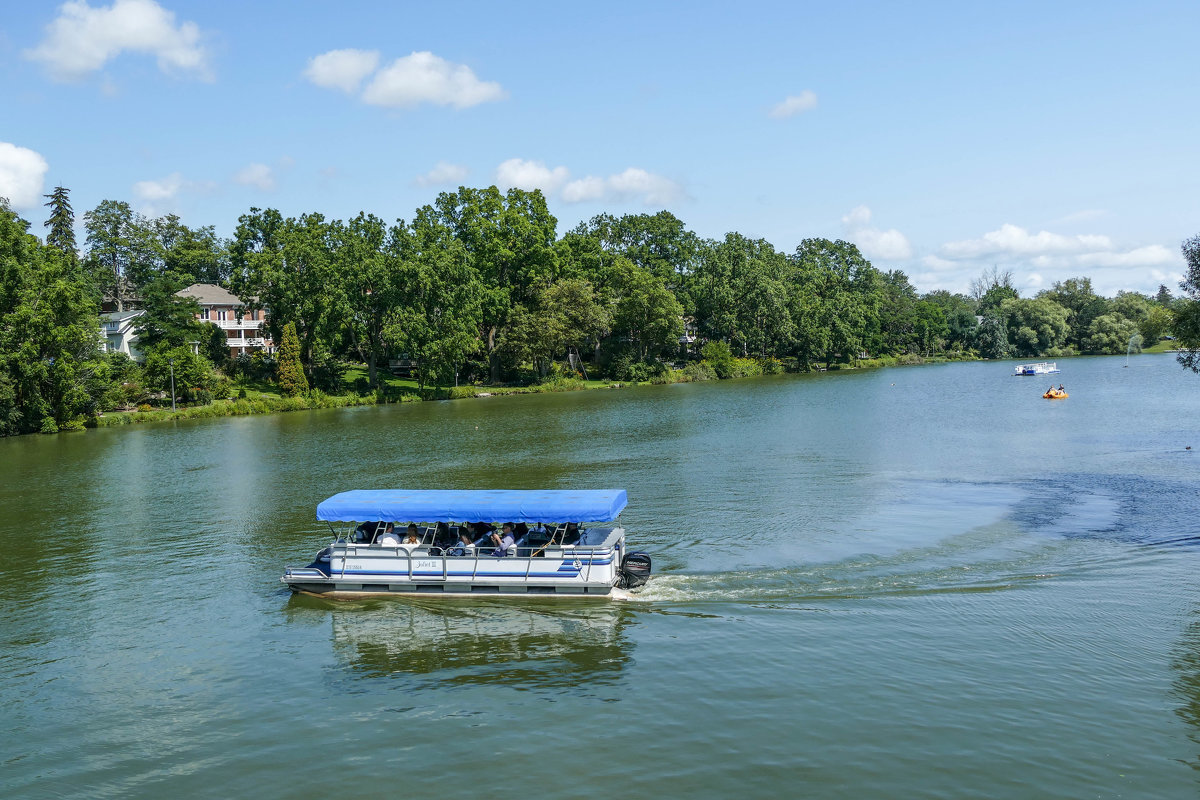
<point x="118" y="333"/>
<point x="243" y="326"/>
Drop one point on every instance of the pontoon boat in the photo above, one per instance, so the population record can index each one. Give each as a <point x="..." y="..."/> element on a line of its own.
<point x="565" y="543"/>
<point x="1040" y="368"/>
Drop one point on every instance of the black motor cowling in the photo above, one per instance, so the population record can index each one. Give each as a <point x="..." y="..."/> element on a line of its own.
<point x="635" y="570"/>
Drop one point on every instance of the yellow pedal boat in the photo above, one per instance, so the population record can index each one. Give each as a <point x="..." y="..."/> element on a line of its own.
<point x="1055" y="394"/>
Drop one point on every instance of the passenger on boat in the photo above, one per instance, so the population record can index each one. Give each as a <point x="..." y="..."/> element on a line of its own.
<point x="1060" y="388"/>
<point x="366" y="532"/>
<point x="465" y="545"/>
<point x="388" y="538"/>
<point x="504" y="541"/>
<point x="411" y="536"/>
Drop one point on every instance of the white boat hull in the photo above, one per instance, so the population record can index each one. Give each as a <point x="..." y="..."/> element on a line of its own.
<point x="357" y="570"/>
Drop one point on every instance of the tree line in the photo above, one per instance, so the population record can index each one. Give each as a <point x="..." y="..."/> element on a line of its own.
<point x="479" y="287"/>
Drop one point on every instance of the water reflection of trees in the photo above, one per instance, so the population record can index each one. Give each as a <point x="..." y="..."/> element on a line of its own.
<point x="1187" y="682"/>
<point x="515" y="643"/>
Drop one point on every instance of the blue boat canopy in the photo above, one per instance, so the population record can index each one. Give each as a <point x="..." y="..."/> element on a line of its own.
<point x="398" y="505"/>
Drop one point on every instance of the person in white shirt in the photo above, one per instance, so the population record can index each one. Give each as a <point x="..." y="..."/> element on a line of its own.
<point x="388" y="538"/>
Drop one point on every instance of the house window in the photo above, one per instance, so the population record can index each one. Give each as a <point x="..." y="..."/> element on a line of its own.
<point x="204" y="314"/>
<point x="221" y="315"/>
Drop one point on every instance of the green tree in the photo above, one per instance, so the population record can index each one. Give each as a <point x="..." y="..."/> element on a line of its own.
<point x="991" y="338"/>
<point x="718" y="356"/>
<point x="288" y="265"/>
<point x="510" y="242"/>
<point x="290" y="372"/>
<point x="1112" y="334"/>
<point x="835" y="303"/>
<point x="959" y="313"/>
<point x="193" y="255"/>
<point x="169" y="321"/>
<point x="645" y="311"/>
<point x="368" y="263"/>
<point x="991" y="289"/>
<point x="658" y="243"/>
<point x="1158" y="323"/>
<point x="193" y="373"/>
<point x="739" y="290"/>
<point x="1082" y="304"/>
<point x="439" y="322"/>
<point x="566" y="314"/>
<point x="1036" y="326"/>
<point x="1187" y="313"/>
<point x="898" y="317"/>
<point x="930" y="330"/>
<point x="122" y="251"/>
<point x="61" y="223"/>
<point x="48" y="333"/>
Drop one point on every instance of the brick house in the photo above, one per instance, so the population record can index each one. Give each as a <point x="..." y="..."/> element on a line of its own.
<point x="243" y="326"/>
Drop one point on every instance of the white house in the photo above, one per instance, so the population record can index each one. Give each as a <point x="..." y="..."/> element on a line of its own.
<point x="243" y="327"/>
<point x="117" y="334"/>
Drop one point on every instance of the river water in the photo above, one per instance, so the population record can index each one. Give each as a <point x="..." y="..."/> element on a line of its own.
<point x="914" y="582"/>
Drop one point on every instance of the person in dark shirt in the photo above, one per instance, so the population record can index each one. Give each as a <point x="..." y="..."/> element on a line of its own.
<point x="504" y="541"/>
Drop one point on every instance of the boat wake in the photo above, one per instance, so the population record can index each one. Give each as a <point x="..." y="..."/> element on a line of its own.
<point x="928" y="544"/>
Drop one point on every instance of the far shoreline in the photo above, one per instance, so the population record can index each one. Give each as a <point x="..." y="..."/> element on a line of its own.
<point x="398" y="392"/>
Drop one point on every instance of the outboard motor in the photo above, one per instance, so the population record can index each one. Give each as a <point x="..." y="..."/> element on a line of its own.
<point x="635" y="570"/>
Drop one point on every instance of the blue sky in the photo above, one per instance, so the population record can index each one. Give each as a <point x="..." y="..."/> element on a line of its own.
<point x="1055" y="140"/>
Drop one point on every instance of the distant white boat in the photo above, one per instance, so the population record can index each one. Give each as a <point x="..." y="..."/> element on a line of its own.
<point x="1040" y="368"/>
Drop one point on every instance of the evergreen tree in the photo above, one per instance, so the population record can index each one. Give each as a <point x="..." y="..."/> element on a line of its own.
<point x="61" y="222"/>
<point x="290" y="372"/>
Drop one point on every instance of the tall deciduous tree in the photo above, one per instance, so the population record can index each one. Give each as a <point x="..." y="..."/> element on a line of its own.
<point x="122" y="251"/>
<point x="1082" y="304"/>
<point x="838" y="294"/>
<point x="439" y="321"/>
<point x="169" y="321"/>
<point x="1035" y="326"/>
<point x="645" y="311"/>
<point x="510" y="241"/>
<point x="1187" y="314"/>
<point x="287" y="267"/>
<point x="368" y="263"/>
<point x="48" y="333"/>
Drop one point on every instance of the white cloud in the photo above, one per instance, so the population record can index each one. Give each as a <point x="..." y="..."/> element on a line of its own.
<point x="1013" y="240"/>
<point x="425" y="78"/>
<point x="650" y="189"/>
<point x="442" y="174"/>
<point x="529" y="175"/>
<point x="22" y="172"/>
<point x="342" y="69"/>
<point x="634" y="184"/>
<point x="1039" y="259"/>
<point x="585" y="189"/>
<point x="889" y="245"/>
<point x="260" y="176"/>
<point x="936" y="264"/>
<point x="164" y="189"/>
<point x="795" y="104"/>
<point x="82" y="39"/>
